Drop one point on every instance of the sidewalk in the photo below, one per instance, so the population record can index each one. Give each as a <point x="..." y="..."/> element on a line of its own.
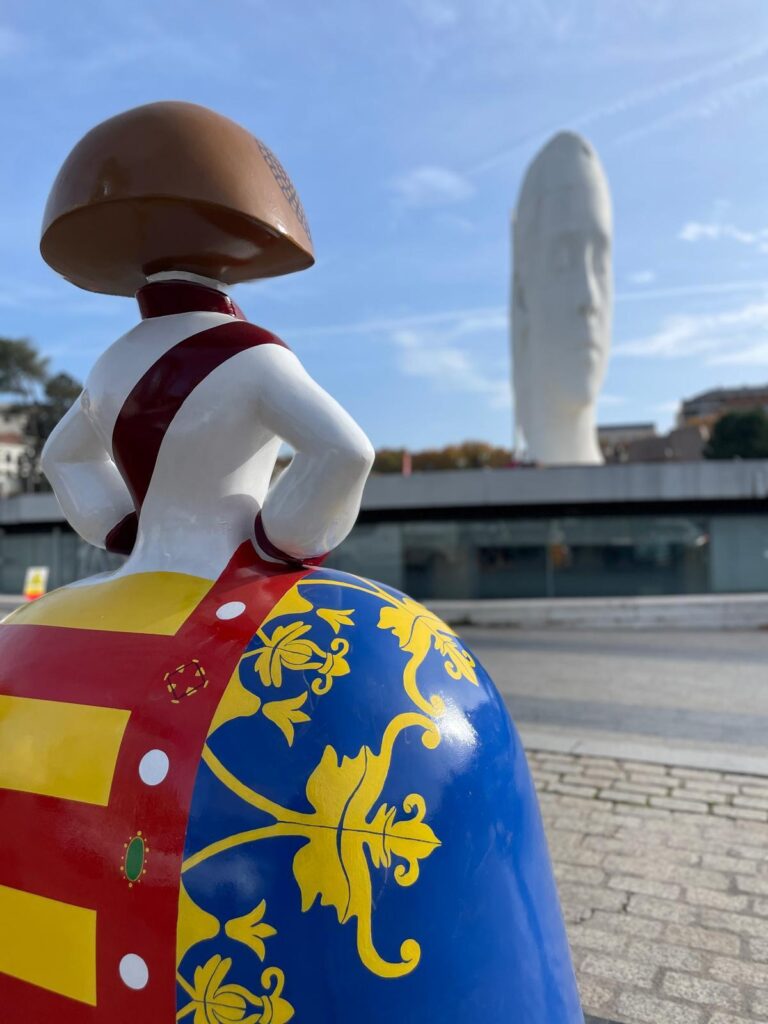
<point x="678" y="611"/>
<point x="663" y="875"/>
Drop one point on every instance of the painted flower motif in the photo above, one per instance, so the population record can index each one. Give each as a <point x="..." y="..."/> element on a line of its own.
<point x="418" y="630"/>
<point x="335" y="665"/>
<point x="276" y="1009"/>
<point x="289" y="648"/>
<point x="286" y="648"/>
<point x="336" y="617"/>
<point x="215" y="1002"/>
<point x="349" y="830"/>
<point x="252" y="930"/>
<point x="285" y="714"/>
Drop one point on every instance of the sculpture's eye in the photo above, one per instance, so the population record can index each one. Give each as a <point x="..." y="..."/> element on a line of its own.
<point x="561" y="256"/>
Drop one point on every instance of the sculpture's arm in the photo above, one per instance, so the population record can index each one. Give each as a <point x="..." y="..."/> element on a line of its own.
<point x="314" y="504"/>
<point x="87" y="483"/>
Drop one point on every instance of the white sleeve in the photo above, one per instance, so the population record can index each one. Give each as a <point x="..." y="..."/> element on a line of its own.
<point x="314" y="504"/>
<point x="85" y="480"/>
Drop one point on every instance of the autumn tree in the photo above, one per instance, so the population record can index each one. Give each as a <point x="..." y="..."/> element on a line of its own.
<point x="467" y="455"/>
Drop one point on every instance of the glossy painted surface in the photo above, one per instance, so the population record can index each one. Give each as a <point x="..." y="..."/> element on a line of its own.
<point x="96" y="786"/>
<point x="172" y="186"/>
<point x="298" y="795"/>
<point x="201" y="402"/>
<point x="364" y="840"/>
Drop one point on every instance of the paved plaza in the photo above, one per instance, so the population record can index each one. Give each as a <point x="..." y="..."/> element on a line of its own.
<point x="663" y="875"/>
<point x="662" y="867"/>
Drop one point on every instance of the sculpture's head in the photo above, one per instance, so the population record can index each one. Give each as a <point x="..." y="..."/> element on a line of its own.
<point x="563" y="281"/>
<point x="172" y="186"/>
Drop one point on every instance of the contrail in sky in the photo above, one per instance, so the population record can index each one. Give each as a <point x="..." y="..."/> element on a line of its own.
<point x="633" y="100"/>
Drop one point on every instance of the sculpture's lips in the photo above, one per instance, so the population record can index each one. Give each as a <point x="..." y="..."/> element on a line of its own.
<point x="592" y="346"/>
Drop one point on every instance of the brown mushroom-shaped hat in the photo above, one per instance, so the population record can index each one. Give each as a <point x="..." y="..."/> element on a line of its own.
<point x="172" y="186"/>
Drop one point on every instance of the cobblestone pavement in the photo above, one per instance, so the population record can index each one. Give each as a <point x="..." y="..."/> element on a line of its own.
<point x="663" y="876"/>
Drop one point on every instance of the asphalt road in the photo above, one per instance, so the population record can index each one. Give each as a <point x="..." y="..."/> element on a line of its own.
<point x="708" y="688"/>
<point x="7" y="605"/>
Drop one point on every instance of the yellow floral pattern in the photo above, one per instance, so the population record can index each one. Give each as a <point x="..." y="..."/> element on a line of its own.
<point x="418" y="630"/>
<point x="342" y="831"/>
<point x="287" y="647"/>
<point x="252" y="930"/>
<point x="350" y="831"/>
<point x="213" y="1000"/>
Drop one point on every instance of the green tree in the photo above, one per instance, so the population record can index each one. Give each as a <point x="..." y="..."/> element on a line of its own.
<point x="22" y="368"/>
<point x="739" y="435"/>
<point x="40" y="415"/>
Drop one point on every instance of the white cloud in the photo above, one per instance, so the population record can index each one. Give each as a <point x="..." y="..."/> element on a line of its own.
<point x="457" y="323"/>
<point x="431" y="186"/>
<point x="667" y="408"/>
<point x="437" y="14"/>
<point x="11" y="42"/>
<point x="452" y="323"/>
<point x="611" y="400"/>
<point x="755" y="355"/>
<point x="680" y="291"/>
<point x="58" y="296"/>
<point x="726" y="337"/>
<point x="697" y="231"/>
<point x="642" y="277"/>
<point x="448" y="367"/>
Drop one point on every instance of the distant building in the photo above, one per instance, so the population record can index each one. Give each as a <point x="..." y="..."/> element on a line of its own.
<point x="614" y="437"/>
<point x="574" y="531"/>
<point x="639" y="442"/>
<point x="12" y="448"/>
<point x="707" y="408"/>
<point x="614" y="433"/>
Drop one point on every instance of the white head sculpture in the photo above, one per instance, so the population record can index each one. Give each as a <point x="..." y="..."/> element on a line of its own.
<point x="562" y="297"/>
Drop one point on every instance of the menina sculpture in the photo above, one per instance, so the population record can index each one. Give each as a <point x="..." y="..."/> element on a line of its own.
<point x="238" y="787"/>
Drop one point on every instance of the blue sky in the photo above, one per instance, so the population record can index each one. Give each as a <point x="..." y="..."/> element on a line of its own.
<point x="406" y="127"/>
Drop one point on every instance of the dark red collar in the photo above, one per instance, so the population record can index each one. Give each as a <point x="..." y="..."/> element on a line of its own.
<point x="162" y="298"/>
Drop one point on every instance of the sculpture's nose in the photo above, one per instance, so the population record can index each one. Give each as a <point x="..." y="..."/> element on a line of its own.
<point x="589" y="295"/>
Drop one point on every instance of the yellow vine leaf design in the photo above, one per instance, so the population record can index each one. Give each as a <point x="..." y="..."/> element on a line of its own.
<point x="286" y="713"/>
<point x="291" y="603"/>
<point x="252" y="930"/>
<point x="213" y="1000"/>
<point x="236" y="702"/>
<point x="345" y="835"/>
<point x="194" y="925"/>
<point x="336" y="617"/>
<point x="335" y="665"/>
<point x="418" y="630"/>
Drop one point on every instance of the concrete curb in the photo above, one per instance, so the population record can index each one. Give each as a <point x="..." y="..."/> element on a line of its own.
<point x="695" y="611"/>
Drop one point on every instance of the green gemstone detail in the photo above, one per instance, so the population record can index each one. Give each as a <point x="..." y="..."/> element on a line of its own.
<point x="134" y="859"/>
